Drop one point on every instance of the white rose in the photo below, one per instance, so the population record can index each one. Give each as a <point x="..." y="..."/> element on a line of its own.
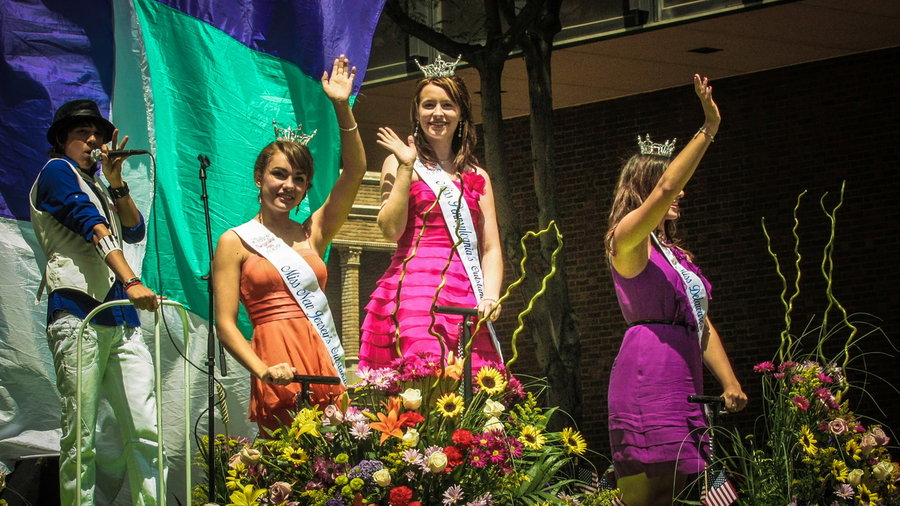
<point x="437" y="462"/>
<point x="883" y="470"/>
<point x="855" y="477"/>
<point x="492" y="408"/>
<point x="411" y="437"/>
<point x="412" y="398"/>
<point x="382" y="477"/>
<point x="493" y="424"/>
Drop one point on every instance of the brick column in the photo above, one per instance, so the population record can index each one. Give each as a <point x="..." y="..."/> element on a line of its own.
<point x="350" y="304"/>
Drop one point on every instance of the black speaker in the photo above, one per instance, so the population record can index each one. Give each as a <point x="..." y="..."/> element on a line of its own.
<point x="34" y="482"/>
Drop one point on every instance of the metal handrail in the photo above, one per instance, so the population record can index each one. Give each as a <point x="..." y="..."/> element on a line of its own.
<point x="157" y="383"/>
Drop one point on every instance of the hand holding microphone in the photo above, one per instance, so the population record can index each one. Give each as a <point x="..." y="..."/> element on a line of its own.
<point x="97" y="155"/>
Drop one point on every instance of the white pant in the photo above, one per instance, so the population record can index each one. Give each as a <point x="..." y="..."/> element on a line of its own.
<point x="116" y="365"/>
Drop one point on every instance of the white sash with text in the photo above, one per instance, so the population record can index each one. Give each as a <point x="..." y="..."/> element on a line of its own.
<point x="456" y="212"/>
<point x="693" y="287"/>
<point x="301" y="282"/>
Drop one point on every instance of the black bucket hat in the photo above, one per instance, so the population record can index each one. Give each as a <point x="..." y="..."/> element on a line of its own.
<point x="76" y="111"/>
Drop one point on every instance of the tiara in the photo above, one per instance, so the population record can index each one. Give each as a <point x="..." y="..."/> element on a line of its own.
<point x="293" y="134"/>
<point x="649" y="147"/>
<point x="439" y="68"/>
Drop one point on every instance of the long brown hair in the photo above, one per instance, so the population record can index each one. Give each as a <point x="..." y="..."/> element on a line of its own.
<point x="463" y="146"/>
<point x="636" y="181"/>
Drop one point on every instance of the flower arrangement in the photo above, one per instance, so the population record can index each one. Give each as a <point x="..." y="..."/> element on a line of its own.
<point x="813" y="447"/>
<point x="404" y="436"/>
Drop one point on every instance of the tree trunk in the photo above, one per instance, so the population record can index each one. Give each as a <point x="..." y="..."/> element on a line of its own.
<point x="554" y="325"/>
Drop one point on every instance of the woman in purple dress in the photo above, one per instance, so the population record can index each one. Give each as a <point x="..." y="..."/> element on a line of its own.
<point x="656" y="436"/>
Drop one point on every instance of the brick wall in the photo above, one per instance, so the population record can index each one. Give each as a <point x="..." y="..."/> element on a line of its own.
<point x="807" y="127"/>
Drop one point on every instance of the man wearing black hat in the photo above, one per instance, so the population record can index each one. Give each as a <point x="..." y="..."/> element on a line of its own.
<point x="80" y="224"/>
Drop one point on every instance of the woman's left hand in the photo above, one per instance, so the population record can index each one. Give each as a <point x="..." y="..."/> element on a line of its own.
<point x="488" y="309"/>
<point x="339" y="84"/>
<point x="735" y="399"/>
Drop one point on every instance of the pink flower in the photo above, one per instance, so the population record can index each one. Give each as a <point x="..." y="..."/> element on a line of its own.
<point x="279" y="492"/>
<point x="474" y="180"/>
<point x="880" y="437"/>
<point x="867" y="443"/>
<point x="797" y="379"/>
<point x="824" y="378"/>
<point x="764" y="367"/>
<point x="779" y="375"/>
<point x="838" y="426"/>
<point x="801" y="402"/>
<point x="786" y="365"/>
<point x="845" y="491"/>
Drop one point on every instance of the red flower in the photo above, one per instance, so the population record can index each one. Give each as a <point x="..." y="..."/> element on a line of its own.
<point x="463" y="438"/>
<point x="454" y="456"/>
<point x="401" y="496"/>
<point x="413" y="418"/>
<point x="474" y="181"/>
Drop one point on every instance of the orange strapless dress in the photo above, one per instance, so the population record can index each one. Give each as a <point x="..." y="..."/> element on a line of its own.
<point x="282" y="333"/>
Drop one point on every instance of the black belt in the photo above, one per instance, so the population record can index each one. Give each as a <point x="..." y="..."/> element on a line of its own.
<point x="658" y="322"/>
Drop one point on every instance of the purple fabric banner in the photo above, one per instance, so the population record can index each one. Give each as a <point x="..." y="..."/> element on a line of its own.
<point x="52" y="51"/>
<point x="307" y="33"/>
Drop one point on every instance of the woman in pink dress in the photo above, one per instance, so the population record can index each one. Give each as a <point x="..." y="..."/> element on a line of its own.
<point x="656" y="436"/>
<point x="399" y="316"/>
<point x="285" y="342"/>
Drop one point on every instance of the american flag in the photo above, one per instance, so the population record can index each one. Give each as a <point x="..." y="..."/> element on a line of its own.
<point x="591" y="482"/>
<point x="720" y="492"/>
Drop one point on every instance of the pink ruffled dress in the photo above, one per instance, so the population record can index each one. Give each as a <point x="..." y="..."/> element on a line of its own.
<point x="404" y="295"/>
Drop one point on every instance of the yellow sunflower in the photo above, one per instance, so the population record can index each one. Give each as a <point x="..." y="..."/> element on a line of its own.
<point x="296" y="456"/>
<point x="808" y="440"/>
<point x="450" y="405"/>
<point x="574" y="441"/>
<point x="866" y="496"/>
<point x="490" y="381"/>
<point x="532" y="438"/>
<point x="853" y="450"/>
<point x="839" y="471"/>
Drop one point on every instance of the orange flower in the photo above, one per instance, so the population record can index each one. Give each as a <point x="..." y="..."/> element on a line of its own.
<point x="390" y="424"/>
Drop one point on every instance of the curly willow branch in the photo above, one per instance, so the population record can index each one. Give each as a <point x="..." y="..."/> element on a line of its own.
<point x="785" y="334"/>
<point x="400" y="279"/>
<point x="544" y="281"/>
<point x="828" y="273"/>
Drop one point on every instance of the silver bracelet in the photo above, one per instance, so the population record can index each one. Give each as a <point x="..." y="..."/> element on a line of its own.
<point x="354" y="127"/>
<point x="712" y="138"/>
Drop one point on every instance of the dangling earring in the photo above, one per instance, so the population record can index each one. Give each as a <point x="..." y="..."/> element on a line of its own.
<point x="416" y="130"/>
<point x="459" y="130"/>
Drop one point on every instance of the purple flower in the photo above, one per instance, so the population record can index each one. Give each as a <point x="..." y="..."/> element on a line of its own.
<point x="845" y="491"/>
<point x="365" y="469"/>
<point x="801" y="402"/>
<point x="453" y="495"/>
<point x="764" y="367"/>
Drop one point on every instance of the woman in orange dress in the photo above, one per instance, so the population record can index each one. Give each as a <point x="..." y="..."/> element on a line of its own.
<point x="273" y="289"/>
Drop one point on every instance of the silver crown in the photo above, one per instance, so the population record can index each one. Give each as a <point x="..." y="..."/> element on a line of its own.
<point x="293" y="134"/>
<point x="649" y="147"/>
<point x="439" y="68"/>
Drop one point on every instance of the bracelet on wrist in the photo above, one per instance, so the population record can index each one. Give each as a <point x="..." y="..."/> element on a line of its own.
<point x="354" y="127"/>
<point x="131" y="282"/>
<point x="489" y="298"/>
<point x="120" y="192"/>
<point x="712" y="138"/>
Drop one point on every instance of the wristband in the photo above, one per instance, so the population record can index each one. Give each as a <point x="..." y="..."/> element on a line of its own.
<point x="118" y="193"/>
<point x="107" y="245"/>
<point x="131" y="282"/>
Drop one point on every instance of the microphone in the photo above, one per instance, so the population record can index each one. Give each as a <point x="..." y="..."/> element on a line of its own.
<point x="97" y="155"/>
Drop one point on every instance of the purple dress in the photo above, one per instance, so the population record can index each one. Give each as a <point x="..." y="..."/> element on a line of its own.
<point x="652" y="427"/>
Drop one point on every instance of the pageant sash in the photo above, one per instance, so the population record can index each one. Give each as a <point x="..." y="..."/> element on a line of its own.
<point x="455" y="211"/>
<point x="301" y="282"/>
<point x="693" y="287"/>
